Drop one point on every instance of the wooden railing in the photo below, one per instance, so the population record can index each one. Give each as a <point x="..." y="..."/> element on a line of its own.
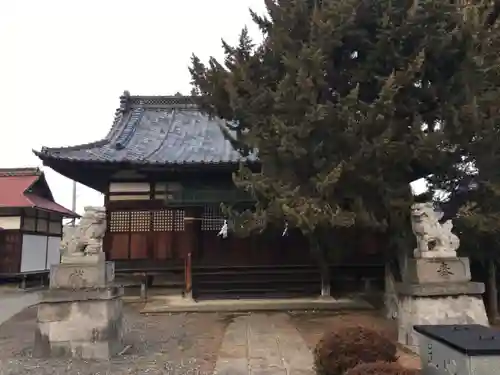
<point x="188" y="278"/>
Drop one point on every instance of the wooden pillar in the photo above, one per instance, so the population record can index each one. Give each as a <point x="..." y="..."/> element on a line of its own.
<point x="144" y="286"/>
<point x="367" y="285"/>
<point x="492" y="291"/>
<point x="192" y="227"/>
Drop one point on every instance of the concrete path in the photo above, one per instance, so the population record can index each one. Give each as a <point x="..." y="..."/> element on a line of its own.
<point x="261" y="344"/>
<point x="13" y="303"/>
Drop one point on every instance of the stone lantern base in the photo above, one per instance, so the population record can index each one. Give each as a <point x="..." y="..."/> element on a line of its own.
<point x="437" y="291"/>
<point x="81" y="314"/>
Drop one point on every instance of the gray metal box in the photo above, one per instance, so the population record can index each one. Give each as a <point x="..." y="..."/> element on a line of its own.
<point x="469" y="349"/>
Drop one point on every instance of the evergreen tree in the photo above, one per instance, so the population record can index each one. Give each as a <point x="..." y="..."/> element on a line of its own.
<point x="347" y="101"/>
<point x="474" y="183"/>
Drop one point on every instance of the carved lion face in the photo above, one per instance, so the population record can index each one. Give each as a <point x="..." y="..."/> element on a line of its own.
<point x="95" y="215"/>
<point x="422" y="211"/>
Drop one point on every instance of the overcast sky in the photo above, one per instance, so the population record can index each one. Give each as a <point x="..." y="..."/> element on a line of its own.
<point x="64" y="64"/>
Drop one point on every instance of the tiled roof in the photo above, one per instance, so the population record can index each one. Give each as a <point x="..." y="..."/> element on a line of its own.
<point x="14" y="191"/>
<point x="155" y="130"/>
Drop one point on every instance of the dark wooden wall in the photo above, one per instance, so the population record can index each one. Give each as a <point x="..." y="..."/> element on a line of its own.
<point x="10" y="251"/>
<point x="168" y="235"/>
<point x="266" y="249"/>
<point x="144" y="226"/>
<point x="32" y="221"/>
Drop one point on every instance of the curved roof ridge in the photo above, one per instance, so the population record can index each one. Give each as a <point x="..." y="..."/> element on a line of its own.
<point x="162" y="101"/>
<point x="81" y="146"/>
<point x="128" y="129"/>
<point x="115" y="127"/>
<point x="18" y="172"/>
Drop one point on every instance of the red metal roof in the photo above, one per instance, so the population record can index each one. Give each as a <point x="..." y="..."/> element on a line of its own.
<point x="13" y="188"/>
<point x="14" y="184"/>
<point x="47" y="205"/>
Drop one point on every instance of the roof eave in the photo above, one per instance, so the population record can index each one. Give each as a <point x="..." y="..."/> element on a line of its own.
<point x="46" y="157"/>
<point x="67" y="214"/>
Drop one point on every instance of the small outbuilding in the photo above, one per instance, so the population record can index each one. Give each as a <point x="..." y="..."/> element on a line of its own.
<point x="30" y="223"/>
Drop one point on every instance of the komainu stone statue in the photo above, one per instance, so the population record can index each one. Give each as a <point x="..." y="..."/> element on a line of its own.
<point x="436" y="286"/>
<point x="434" y="240"/>
<point x="86" y="239"/>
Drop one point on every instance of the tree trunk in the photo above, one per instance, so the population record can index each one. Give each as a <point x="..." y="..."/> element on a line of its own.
<point x="492" y="291"/>
<point x="325" y="280"/>
<point x="390" y="294"/>
<point x="319" y="256"/>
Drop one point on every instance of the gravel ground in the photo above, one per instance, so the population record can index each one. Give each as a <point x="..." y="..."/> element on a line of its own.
<point x="164" y="344"/>
<point x="159" y="344"/>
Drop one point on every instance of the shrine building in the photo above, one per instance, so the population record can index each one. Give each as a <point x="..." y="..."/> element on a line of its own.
<point x="165" y="168"/>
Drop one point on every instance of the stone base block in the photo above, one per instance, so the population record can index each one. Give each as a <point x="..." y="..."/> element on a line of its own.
<point x="79" y="258"/>
<point x="437" y="270"/>
<point x="83" y="324"/>
<point x="418" y="309"/>
<point x="82" y="350"/>
<point x="83" y="275"/>
<point x="440" y="289"/>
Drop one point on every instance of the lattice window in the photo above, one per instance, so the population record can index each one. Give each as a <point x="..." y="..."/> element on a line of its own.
<point x="163" y="221"/>
<point x="178" y="220"/>
<point x="119" y="221"/>
<point x="140" y="221"/>
<point x="212" y="219"/>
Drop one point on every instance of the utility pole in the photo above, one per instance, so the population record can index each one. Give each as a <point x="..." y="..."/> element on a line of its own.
<point x="73" y="204"/>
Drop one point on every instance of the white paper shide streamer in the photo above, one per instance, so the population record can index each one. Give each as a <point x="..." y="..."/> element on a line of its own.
<point x="285" y="231"/>
<point x="223" y="230"/>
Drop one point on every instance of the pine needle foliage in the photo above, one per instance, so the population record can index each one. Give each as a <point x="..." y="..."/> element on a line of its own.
<point x="347" y="101"/>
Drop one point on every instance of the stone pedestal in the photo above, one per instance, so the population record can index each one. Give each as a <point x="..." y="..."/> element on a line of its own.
<point x="437" y="291"/>
<point x="437" y="270"/>
<point x="84" y="275"/>
<point x="81" y="314"/>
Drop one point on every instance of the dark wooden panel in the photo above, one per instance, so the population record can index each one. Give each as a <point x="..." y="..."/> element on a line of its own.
<point x="163" y="243"/>
<point x="10" y="251"/>
<point x="266" y="250"/>
<point x="225" y="251"/>
<point x="257" y="250"/>
<point x="119" y="245"/>
<point x="183" y="243"/>
<point x="210" y="245"/>
<point x="239" y="250"/>
<point x="142" y="205"/>
<point x="293" y="248"/>
<point x="139" y="245"/>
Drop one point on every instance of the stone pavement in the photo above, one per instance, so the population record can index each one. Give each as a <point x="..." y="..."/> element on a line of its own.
<point x="12" y="303"/>
<point x="260" y="344"/>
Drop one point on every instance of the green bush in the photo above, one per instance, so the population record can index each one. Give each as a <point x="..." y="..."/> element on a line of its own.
<point x="341" y="350"/>
<point x="381" y="368"/>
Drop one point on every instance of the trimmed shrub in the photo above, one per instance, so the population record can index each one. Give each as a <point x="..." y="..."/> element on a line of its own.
<point x="381" y="368"/>
<point x="339" y="351"/>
